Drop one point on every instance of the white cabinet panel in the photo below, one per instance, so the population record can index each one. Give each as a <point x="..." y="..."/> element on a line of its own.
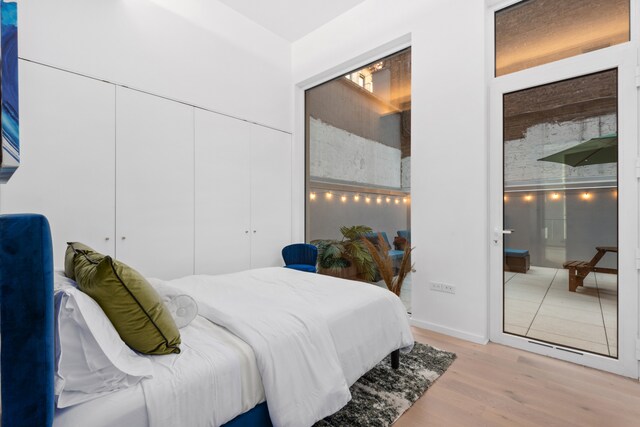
<point x="270" y="196"/>
<point x="155" y="184"/>
<point x="222" y="179"/>
<point x="67" y="169"/>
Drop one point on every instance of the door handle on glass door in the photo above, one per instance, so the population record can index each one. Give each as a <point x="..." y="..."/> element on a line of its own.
<point x="498" y="232"/>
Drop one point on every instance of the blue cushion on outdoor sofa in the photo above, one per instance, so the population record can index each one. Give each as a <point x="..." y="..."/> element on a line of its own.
<point x="26" y="304"/>
<point x="518" y="253"/>
<point x="373" y="237"/>
<point x="405" y="234"/>
<point x="395" y="254"/>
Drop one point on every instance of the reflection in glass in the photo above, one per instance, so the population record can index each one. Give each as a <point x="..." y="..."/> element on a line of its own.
<point x="560" y="198"/>
<point x="536" y="32"/>
<point x="358" y="130"/>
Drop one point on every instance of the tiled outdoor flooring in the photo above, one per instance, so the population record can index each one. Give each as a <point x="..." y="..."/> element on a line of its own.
<point x="539" y="305"/>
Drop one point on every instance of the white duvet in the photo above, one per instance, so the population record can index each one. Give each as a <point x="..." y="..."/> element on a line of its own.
<point x="312" y="336"/>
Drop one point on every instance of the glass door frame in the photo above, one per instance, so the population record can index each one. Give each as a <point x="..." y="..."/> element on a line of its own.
<point x="624" y="58"/>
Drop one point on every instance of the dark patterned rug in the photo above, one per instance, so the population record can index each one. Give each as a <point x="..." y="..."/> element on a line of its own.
<point x="383" y="393"/>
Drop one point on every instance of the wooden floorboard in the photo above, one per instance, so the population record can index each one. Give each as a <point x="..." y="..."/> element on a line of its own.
<point x="495" y="385"/>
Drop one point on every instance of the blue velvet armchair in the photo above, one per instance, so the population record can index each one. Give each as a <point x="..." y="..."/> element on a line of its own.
<point x="300" y="256"/>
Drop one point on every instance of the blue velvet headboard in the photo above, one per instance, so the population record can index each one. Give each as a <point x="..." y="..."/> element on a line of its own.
<point x="26" y="320"/>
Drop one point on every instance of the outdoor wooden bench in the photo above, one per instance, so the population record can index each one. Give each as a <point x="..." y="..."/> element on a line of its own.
<point x="517" y="260"/>
<point x="578" y="270"/>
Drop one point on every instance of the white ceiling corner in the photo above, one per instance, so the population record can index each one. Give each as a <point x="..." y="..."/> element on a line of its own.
<point x="291" y="19"/>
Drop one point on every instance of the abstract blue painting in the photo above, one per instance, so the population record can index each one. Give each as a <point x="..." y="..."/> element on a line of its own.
<point x="10" y="153"/>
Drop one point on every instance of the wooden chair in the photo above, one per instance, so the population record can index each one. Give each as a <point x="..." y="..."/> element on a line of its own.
<point x="578" y="270"/>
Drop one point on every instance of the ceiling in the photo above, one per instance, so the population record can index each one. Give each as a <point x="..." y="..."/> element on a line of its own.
<point x="291" y="19"/>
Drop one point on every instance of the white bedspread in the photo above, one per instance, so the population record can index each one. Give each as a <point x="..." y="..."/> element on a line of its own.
<point x="312" y="335"/>
<point x="214" y="379"/>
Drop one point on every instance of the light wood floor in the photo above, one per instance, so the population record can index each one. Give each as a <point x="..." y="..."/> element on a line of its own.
<point x="494" y="385"/>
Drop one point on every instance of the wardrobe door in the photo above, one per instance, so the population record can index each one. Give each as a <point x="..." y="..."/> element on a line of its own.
<point x="270" y="196"/>
<point x="222" y="179"/>
<point x="67" y="129"/>
<point x="154" y="184"/>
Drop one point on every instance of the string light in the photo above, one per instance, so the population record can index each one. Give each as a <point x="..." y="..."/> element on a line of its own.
<point x="505" y="198"/>
<point x="555" y="196"/>
<point x="367" y="198"/>
<point x="586" y="195"/>
<point x="615" y="193"/>
<point x="528" y="197"/>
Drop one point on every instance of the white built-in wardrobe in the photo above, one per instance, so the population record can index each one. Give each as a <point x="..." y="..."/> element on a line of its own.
<point x="165" y="187"/>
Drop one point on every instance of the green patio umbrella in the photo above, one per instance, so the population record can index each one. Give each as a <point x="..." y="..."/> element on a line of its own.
<point x="595" y="151"/>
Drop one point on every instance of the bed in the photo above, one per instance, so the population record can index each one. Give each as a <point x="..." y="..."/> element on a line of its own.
<point x="241" y="357"/>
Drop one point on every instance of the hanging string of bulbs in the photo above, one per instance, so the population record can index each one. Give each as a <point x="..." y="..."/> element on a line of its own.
<point x="366" y="198"/>
<point x="554" y="195"/>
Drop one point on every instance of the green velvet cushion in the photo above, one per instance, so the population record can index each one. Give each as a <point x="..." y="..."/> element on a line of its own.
<point x="72" y="247"/>
<point x="129" y="301"/>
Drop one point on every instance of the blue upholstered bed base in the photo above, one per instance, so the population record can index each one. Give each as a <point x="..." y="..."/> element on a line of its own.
<point x="26" y="304"/>
<point x="27" y="323"/>
<point x="257" y="417"/>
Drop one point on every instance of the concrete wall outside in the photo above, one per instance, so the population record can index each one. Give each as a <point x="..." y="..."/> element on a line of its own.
<point x="340" y="155"/>
<point x="565" y="229"/>
<point x="521" y="155"/>
<point x="568" y="227"/>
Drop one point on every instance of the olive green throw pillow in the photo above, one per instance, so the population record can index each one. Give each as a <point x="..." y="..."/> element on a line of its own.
<point x="72" y="248"/>
<point x="129" y="301"/>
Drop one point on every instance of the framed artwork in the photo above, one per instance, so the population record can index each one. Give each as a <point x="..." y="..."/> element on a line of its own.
<point x="10" y="153"/>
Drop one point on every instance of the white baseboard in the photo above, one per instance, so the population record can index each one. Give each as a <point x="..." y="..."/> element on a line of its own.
<point x="478" y="339"/>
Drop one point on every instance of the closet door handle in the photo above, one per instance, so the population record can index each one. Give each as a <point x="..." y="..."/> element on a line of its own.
<point x="124" y="237"/>
<point x="106" y="239"/>
<point x="246" y="231"/>
<point x="254" y="231"/>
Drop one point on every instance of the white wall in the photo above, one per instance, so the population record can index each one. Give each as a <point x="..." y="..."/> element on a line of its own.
<point x="202" y="53"/>
<point x="449" y="162"/>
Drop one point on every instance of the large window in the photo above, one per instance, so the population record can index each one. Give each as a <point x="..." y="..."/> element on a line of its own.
<point x="358" y="129"/>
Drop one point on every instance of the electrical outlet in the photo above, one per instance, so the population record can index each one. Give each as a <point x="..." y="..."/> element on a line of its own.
<point x="442" y="287"/>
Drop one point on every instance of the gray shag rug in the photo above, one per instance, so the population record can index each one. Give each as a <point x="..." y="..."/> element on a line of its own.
<point x="383" y="393"/>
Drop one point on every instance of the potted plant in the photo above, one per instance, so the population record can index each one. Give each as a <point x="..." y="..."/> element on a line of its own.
<point x="348" y="258"/>
<point x="385" y="265"/>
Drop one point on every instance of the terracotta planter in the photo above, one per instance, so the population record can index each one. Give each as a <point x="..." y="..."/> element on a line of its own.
<point x="350" y="273"/>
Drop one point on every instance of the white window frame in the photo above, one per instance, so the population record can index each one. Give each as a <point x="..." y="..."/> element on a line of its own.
<point x="624" y="57"/>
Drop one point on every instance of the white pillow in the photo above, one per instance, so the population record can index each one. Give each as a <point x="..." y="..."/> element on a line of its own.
<point x="91" y="358"/>
<point x="182" y="307"/>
